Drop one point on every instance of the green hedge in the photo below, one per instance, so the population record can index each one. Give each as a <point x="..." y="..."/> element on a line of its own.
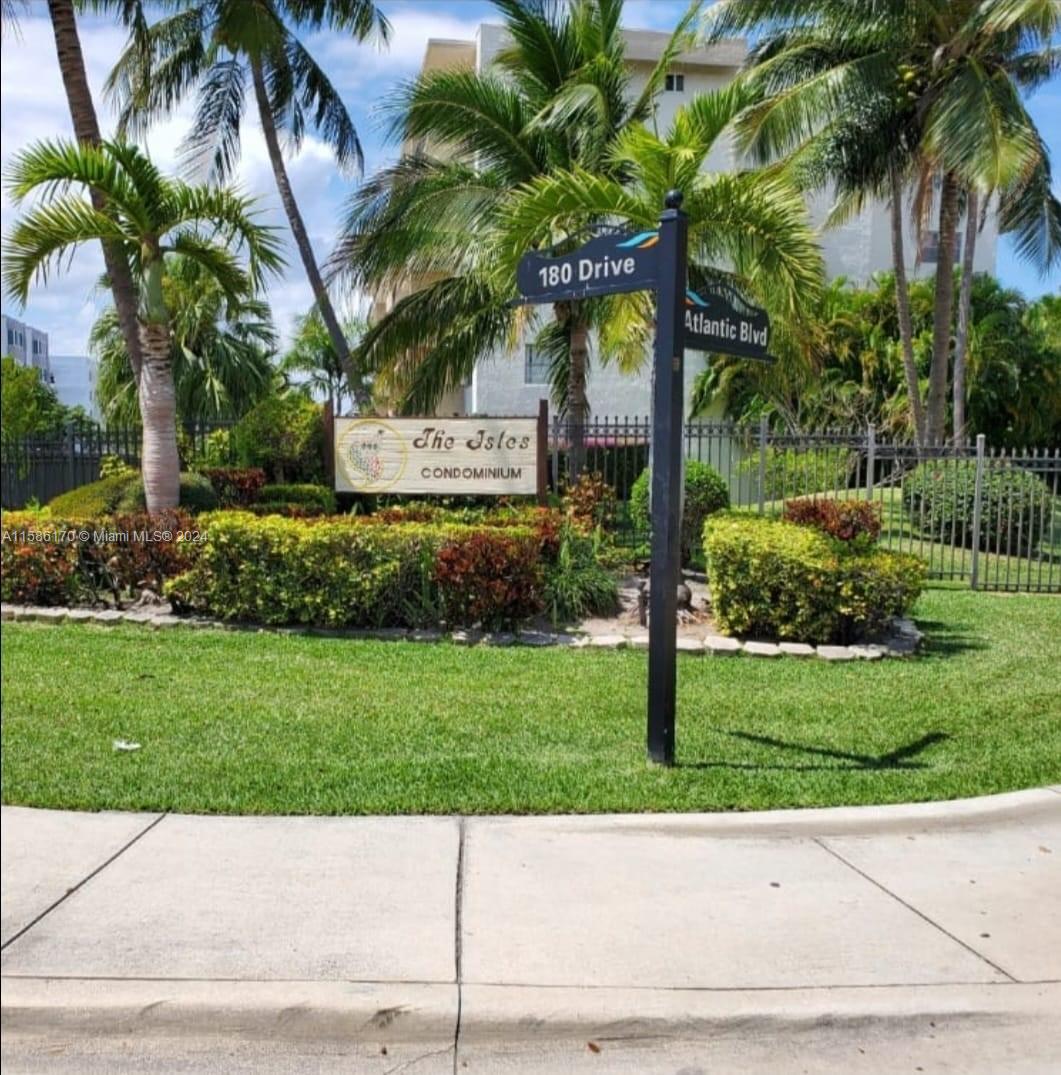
<point x="125" y="493"/>
<point x="295" y="500"/>
<point x="705" y="493"/>
<point x="778" y="580"/>
<point x="348" y="572"/>
<point x="1016" y="506"/>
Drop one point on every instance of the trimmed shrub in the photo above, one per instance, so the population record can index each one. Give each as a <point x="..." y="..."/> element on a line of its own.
<point x="235" y="487"/>
<point x="124" y="493"/>
<point x="37" y="565"/>
<point x="577" y="584"/>
<point x="311" y="499"/>
<point x="345" y="571"/>
<point x="1016" y="506"/>
<point x="95" y="499"/>
<point x="52" y="561"/>
<point x="488" y="577"/>
<point x="775" y="579"/>
<point x="705" y="493"/>
<point x="857" y="521"/>
<point x="284" y="435"/>
<point x="794" y="472"/>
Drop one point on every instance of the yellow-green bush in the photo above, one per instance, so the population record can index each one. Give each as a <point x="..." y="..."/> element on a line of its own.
<point x="776" y="579"/>
<point x="349" y="572"/>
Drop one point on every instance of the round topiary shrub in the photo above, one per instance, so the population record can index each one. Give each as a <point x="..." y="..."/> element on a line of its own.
<point x="196" y="494"/>
<point x="939" y="497"/>
<point x="705" y="493"/>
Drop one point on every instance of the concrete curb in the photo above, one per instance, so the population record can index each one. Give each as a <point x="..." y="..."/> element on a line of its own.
<point x="425" y="1014"/>
<point x="280" y="1010"/>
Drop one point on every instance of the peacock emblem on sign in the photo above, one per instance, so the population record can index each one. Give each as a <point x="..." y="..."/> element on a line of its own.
<point x="372" y="454"/>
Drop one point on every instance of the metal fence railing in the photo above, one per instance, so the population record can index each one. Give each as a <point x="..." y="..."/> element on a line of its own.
<point x="39" y="468"/>
<point x="989" y="517"/>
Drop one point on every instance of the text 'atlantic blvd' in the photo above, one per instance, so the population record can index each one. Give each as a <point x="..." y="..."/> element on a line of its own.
<point x="718" y="319"/>
<point x="445" y="457"/>
<point x="603" y="266"/>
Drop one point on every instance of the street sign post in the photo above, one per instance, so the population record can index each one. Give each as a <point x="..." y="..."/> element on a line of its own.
<point x="717" y="320"/>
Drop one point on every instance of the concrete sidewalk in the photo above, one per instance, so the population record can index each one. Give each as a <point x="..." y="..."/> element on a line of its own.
<point x="857" y="940"/>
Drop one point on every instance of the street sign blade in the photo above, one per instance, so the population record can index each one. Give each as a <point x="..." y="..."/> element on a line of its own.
<point x="719" y="319"/>
<point x="606" y="265"/>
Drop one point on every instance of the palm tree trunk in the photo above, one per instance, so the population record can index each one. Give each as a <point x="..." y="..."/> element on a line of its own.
<point x="965" y="300"/>
<point x="86" y="129"/>
<point x="944" y="310"/>
<point x="159" y="459"/>
<point x="298" y="230"/>
<point x="577" y="403"/>
<point x="902" y="302"/>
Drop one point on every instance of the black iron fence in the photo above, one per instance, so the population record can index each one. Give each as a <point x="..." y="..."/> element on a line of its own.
<point x="41" y="467"/>
<point x="985" y="516"/>
<point x="976" y="514"/>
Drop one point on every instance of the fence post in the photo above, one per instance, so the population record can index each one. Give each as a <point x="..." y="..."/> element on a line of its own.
<point x="763" y="433"/>
<point x="978" y="505"/>
<point x="871" y="458"/>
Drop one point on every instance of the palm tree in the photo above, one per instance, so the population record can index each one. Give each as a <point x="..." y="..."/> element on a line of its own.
<point x="220" y="350"/>
<point x="421" y="235"/>
<point x="749" y="229"/>
<point x="149" y="219"/>
<point x="884" y="94"/>
<point x="213" y="48"/>
<point x="87" y="132"/>
<point x="312" y="356"/>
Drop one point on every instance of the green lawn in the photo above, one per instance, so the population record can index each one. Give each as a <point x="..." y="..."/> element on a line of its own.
<point x="239" y="722"/>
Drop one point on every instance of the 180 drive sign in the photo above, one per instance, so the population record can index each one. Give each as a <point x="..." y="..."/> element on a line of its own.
<point x="603" y="266"/>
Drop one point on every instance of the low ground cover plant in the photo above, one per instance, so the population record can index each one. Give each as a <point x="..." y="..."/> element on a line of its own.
<point x="781" y="580"/>
<point x="1016" y="506"/>
<point x="706" y="492"/>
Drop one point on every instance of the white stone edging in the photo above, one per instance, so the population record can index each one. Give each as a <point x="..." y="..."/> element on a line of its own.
<point x="905" y="641"/>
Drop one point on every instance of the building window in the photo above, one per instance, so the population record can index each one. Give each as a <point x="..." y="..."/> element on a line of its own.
<point x="674" y="83"/>
<point x="535" y="367"/>
<point x="10" y="338"/>
<point x="929" y="249"/>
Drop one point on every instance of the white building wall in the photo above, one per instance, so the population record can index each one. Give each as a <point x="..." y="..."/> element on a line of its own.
<point x="74" y="380"/>
<point x="27" y="345"/>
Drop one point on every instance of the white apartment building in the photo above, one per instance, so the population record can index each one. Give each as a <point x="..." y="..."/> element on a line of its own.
<point x="27" y="345"/>
<point x="512" y="383"/>
<point x="74" y="380"/>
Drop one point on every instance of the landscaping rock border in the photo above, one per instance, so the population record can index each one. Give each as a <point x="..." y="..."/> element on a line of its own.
<point x="904" y="639"/>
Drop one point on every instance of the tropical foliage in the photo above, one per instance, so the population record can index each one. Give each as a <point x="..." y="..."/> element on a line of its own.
<point x="1014" y="395"/>
<point x="150" y="219"/>
<point x="212" y="49"/>
<point x="220" y="350"/>
<point x="880" y="97"/>
<point x="315" y="366"/>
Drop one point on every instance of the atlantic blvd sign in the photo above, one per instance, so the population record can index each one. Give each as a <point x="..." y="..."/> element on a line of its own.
<point x="603" y="266"/>
<point x="718" y="319"/>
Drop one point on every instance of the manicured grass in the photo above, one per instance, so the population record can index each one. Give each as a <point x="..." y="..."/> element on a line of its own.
<point x="239" y="722"/>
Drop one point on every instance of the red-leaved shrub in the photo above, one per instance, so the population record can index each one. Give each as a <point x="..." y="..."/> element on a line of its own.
<point x="236" y="487"/>
<point x="845" y="520"/>
<point x="491" y="579"/>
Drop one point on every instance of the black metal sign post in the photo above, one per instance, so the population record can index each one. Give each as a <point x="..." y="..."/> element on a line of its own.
<point x="720" y="320"/>
<point x="666" y="479"/>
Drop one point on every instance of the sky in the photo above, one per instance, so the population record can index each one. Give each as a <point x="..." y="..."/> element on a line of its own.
<point x="33" y="106"/>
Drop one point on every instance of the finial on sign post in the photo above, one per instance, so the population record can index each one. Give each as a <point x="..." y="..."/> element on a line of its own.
<point x="673" y="199"/>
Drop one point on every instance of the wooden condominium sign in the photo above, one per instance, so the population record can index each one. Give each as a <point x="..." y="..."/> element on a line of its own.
<point x="440" y="456"/>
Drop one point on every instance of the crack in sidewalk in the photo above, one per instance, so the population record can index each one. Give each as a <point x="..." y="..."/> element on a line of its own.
<point x="910" y="907"/>
<point x="458" y="968"/>
<point x="84" y="881"/>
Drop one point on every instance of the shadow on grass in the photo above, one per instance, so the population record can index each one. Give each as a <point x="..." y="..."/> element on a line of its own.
<point x="900" y="758"/>
<point x="944" y="640"/>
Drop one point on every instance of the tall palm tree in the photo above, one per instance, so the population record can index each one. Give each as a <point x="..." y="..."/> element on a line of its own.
<point x="312" y="356"/>
<point x="918" y="91"/>
<point x="149" y="219"/>
<point x="87" y="131"/>
<point x="422" y="231"/>
<point x="213" y="48"/>
<point x="221" y="350"/>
